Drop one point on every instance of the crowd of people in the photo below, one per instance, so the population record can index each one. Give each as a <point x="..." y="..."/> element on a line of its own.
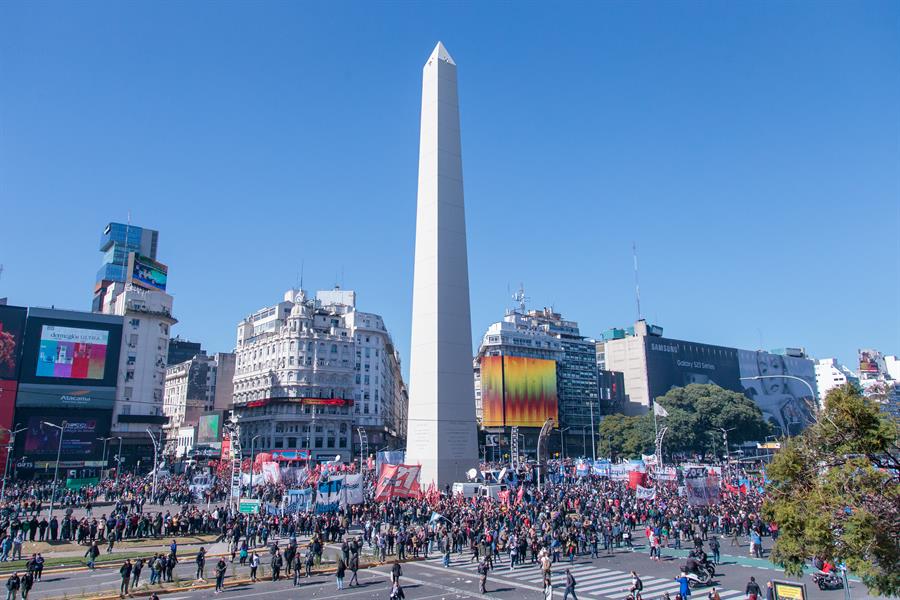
<point x="561" y="520"/>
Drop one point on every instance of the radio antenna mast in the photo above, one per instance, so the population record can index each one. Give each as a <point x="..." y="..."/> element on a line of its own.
<point x="637" y="287"/>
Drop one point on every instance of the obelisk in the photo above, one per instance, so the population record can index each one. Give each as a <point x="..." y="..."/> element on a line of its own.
<point x="441" y="435"/>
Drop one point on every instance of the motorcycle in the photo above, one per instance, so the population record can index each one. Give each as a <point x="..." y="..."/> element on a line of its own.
<point x="827" y="581"/>
<point x="702" y="577"/>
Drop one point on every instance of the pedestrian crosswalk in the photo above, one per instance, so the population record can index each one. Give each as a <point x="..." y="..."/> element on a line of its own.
<point x="592" y="581"/>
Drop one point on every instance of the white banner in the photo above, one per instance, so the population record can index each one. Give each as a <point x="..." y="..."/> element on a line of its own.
<point x="649" y="459"/>
<point x="643" y="493"/>
<point x="352" y="490"/>
<point x="666" y="473"/>
<point x="271" y="473"/>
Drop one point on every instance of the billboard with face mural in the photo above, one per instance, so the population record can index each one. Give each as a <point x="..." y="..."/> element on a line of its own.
<point x="785" y="402"/>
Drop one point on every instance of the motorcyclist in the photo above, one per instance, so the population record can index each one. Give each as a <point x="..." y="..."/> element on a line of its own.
<point x="700" y="555"/>
<point x="691" y="566"/>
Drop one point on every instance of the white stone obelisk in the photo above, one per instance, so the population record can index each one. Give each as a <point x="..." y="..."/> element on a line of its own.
<point x="441" y="432"/>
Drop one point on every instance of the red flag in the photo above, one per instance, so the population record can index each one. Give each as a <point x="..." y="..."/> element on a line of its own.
<point x="743" y="488"/>
<point x="520" y="494"/>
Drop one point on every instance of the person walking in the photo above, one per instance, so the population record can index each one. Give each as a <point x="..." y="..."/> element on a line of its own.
<point x="752" y="590"/>
<point x="715" y="549"/>
<point x="298" y="564"/>
<point x="684" y="586"/>
<point x="482" y="576"/>
<point x="308" y="563"/>
<point x="136" y="572"/>
<point x="396" y="572"/>
<point x="354" y="567"/>
<point x="770" y="591"/>
<point x="12" y="586"/>
<point x="91" y="554"/>
<point x="221" y="567"/>
<point x="397" y="591"/>
<point x="570" y="586"/>
<point x="125" y="574"/>
<point x="339" y="573"/>
<point x="27" y="582"/>
<point x="254" y="565"/>
<point x="201" y="563"/>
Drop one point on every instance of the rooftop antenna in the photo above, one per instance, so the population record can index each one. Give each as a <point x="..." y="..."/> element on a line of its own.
<point x="637" y="287"/>
<point x="520" y="297"/>
<point x="302" y="263"/>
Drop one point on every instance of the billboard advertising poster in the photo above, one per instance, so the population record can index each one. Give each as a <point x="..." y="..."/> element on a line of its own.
<point x="529" y="390"/>
<point x="12" y="330"/>
<point x="492" y="391"/>
<point x="79" y="442"/>
<point x="71" y="351"/>
<point x="785" y="403"/>
<point x="68" y="396"/>
<point x="675" y="363"/>
<point x="147" y="273"/>
<point x="209" y="428"/>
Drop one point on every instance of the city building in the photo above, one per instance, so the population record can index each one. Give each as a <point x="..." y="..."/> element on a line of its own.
<point x="181" y="350"/>
<point x="831" y="374"/>
<point x="132" y="284"/>
<point x="117" y="243"/>
<point x="310" y="371"/>
<point x="199" y="385"/>
<point x="782" y="382"/>
<point x="879" y="378"/>
<point x="552" y="351"/>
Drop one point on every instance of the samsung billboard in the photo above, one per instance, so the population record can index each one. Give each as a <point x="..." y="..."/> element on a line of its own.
<point x="676" y="363"/>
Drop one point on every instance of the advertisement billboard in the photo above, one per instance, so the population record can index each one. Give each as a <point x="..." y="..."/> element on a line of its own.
<point x="518" y="391"/>
<point x="868" y="362"/>
<point x="529" y="389"/>
<point x="70" y="348"/>
<point x="79" y="441"/>
<point x="676" y="363"/>
<point x="68" y="396"/>
<point x="785" y="402"/>
<point x="147" y="273"/>
<point x="492" y="391"/>
<point x="209" y="428"/>
<point x="12" y="330"/>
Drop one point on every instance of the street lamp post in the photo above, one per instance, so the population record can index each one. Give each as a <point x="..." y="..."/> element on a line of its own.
<point x="562" y="442"/>
<point x="725" y="440"/>
<point x="252" y="460"/>
<point x="9" y="448"/>
<point x="118" y="461"/>
<point x="62" y="430"/>
<point x="593" y="441"/>
<point x="155" y="469"/>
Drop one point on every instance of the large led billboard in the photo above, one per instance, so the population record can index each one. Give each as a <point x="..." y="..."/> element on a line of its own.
<point x="80" y="442"/>
<point x="676" y="363"/>
<point x="209" y="428"/>
<point x="492" y="391"/>
<point x="71" y="348"/>
<point x="147" y="273"/>
<point x="786" y="403"/>
<point x="518" y="391"/>
<point x="12" y="329"/>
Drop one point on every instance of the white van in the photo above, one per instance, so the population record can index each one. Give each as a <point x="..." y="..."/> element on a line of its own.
<point x="492" y="490"/>
<point x="468" y="490"/>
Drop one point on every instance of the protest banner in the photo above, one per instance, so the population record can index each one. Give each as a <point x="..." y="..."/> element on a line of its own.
<point x="398" y="481"/>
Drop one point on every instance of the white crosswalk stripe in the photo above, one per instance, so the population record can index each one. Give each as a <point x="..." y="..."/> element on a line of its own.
<point x="591" y="581"/>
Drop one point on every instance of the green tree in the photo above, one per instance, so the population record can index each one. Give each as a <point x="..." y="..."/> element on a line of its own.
<point x="698" y="412"/>
<point x="834" y="492"/>
<point x="622" y="436"/>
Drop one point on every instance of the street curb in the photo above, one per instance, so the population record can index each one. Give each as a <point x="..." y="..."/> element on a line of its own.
<point x="206" y="586"/>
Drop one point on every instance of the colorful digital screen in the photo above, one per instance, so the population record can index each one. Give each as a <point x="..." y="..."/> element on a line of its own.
<point x="72" y="353"/>
<point x="492" y="391"/>
<point x="518" y="391"/>
<point x="79" y="439"/>
<point x="868" y="362"/>
<point x="147" y="273"/>
<point x="12" y="329"/>
<point x="209" y="427"/>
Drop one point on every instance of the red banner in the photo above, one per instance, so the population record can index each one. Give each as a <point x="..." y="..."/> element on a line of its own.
<point x="398" y="481"/>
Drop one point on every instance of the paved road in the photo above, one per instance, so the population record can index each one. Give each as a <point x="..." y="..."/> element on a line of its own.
<point x="604" y="578"/>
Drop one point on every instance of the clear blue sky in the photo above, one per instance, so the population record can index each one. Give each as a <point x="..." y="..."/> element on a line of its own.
<point x="749" y="149"/>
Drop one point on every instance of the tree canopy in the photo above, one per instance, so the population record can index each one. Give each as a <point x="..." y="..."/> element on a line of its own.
<point x="834" y="492"/>
<point x="696" y="414"/>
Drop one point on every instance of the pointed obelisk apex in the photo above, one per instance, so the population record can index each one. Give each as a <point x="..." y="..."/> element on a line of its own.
<point x="441" y="434"/>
